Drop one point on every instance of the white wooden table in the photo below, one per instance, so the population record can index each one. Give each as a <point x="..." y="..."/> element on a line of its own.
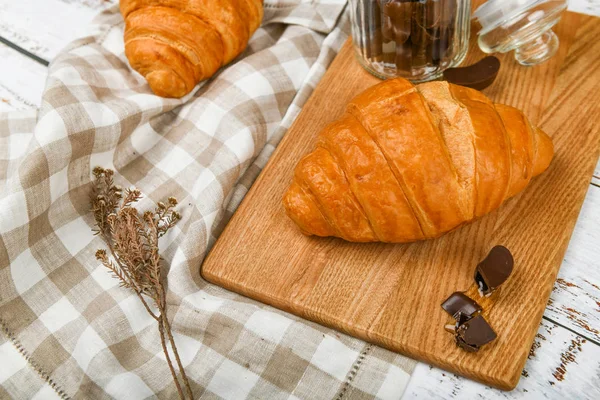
<point x="565" y="359"/>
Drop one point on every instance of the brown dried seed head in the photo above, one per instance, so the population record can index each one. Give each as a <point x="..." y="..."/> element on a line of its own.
<point x="97" y="171"/>
<point x="101" y="255"/>
<point x="161" y="205"/>
<point x="172" y="201"/>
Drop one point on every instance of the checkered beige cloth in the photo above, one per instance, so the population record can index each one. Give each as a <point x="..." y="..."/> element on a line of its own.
<point x="70" y="330"/>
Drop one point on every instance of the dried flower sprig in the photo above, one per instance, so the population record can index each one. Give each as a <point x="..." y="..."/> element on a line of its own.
<point x="133" y="255"/>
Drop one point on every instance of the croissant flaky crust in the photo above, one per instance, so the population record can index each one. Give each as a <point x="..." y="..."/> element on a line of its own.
<point x="407" y="163"/>
<point x="175" y="44"/>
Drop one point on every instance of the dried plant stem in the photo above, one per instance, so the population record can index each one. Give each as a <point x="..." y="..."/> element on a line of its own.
<point x="163" y="325"/>
<point x="128" y="277"/>
<point x="176" y="353"/>
<point x="166" y="351"/>
<point x="132" y="240"/>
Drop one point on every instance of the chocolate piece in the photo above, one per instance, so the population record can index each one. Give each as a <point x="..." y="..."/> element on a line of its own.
<point x="462" y="317"/>
<point x="494" y="270"/>
<point x="433" y="13"/>
<point x="471" y="330"/>
<point x="477" y="76"/>
<point x="397" y="9"/>
<point x="476" y="332"/>
<point x="374" y="47"/>
<point x="396" y="31"/>
<point x="418" y="35"/>
<point x="447" y="14"/>
<point x="442" y="45"/>
<point x="421" y="32"/>
<point x="389" y="52"/>
<point x="446" y="50"/>
<point x="397" y="21"/>
<point x="387" y="28"/>
<point x="373" y="30"/>
<point x="404" y="56"/>
<point x="459" y="303"/>
<point x="461" y="343"/>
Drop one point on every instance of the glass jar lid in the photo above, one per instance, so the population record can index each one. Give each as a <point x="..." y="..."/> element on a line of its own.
<point x="493" y="12"/>
<point x="520" y="25"/>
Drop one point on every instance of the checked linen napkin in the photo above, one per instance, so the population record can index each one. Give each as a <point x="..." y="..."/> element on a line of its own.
<point x="69" y="330"/>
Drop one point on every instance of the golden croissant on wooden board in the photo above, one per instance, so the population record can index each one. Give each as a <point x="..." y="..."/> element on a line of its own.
<point x="406" y="163"/>
<point x="175" y="44"/>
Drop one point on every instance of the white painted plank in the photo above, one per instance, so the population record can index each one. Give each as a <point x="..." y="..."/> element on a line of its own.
<point x="561" y="366"/>
<point x="21" y="80"/>
<point x="44" y="27"/>
<point x="591" y="7"/>
<point x="575" y="300"/>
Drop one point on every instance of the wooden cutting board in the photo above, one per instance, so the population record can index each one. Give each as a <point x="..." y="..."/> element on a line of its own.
<point x="390" y="294"/>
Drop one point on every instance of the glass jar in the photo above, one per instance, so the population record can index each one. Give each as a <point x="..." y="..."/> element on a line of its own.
<point x="413" y="39"/>
<point x="521" y="25"/>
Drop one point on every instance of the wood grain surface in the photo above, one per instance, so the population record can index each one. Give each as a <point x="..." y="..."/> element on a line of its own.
<point x="390" y="294"/>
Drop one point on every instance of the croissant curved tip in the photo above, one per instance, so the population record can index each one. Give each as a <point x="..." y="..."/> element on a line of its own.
<point x="166" y="83"/>
<point x="545" y="152"/>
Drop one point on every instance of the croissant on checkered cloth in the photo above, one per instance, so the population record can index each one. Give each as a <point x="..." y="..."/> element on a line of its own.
<point x="175" y="44"/>
<point x="406" y="163"/>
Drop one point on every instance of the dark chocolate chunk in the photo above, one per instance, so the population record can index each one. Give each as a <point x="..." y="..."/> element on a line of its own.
<point x="374" y="47"/>
<point x="433" y="13"/>
<point x="470" y="348"/>
<point x="494" y="269"/>
<point x="442" y="45"/>
<point x="462" y="317"/>
<point x="397" y="10"/>
<point x="372" y="30"/>
<point x="404" y="56"/>
<point x="418" y="35"/>
<point x="459" y="303"/>
<point x="418" y="32"/>
<point x="476" y="331"/>
<point x="397" y="21"/>
<point x="477" y="76"/>
<point x="387" y="28"/>
<point x="389" y="52"/>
